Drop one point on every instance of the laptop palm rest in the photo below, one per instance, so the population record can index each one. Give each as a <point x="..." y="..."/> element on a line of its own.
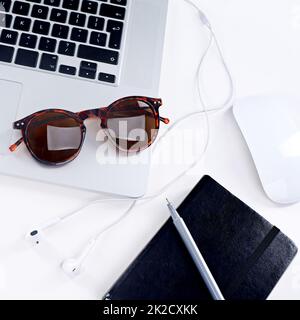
<point x="10" y="93"/>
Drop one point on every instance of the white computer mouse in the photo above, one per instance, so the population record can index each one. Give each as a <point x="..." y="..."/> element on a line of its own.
<point x="271" y="128"/>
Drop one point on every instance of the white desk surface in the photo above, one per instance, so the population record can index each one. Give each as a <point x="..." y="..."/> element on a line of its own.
<point x="260" y="40"/>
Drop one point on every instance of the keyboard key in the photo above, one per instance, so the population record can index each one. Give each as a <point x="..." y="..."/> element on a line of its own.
<point x="58" y="15"/>
<point x="66" y="48"/>
<point x="112" y="11"/>
<point x="5" y="20"/>
<point x="119" y="2"/>
<point x="22" y="24"/>
<point x="41" y="27"/>
<point x="115" y="40"/>
<point x="96" y="23"/>
<point x="71" y="4"/>
<point x="98" y="38"/>
<point x="89" y="7"/>
<point x="9" y="36"/>
<point x="5" y="5"/>
<point x="60" y="31"/>
<point x="116" y="29"/>
<point x="27" y="58"/>
<point x="36" y="1"/>
<point x="98" y="54"/>
<point x="47" y="44"/>
<point x="88" y="70"/>
<point x="6" y="53"/>
<point x="110" y="78"/>
<point x="21" y="8"/>
<point x="48" y="62"/>
<point x="54" y="3"/>
<point x="79" y="35"/>
<point x="77" y="19"/>
<point x="87" y="74"/>
<point x="28" y="40"/>
<point x="67" y="70"/>
<point x="114" y="26"/>
<point x="40" y="12"/>
<point x="88" y="65"/>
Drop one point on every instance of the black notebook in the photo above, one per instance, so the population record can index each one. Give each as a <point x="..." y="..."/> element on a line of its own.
<point x="245" y="253"/>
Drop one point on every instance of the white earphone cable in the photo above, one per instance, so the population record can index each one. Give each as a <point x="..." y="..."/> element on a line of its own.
<point x="204" y="112"/>
<point x="170" y="129"/>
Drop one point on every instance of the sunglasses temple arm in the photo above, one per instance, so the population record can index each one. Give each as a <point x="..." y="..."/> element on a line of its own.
<point x="164" y="120"/>
<point x="14" y="146"/>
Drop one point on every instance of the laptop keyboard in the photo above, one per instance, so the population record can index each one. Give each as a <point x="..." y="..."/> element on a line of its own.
<point x="76" y="38"/>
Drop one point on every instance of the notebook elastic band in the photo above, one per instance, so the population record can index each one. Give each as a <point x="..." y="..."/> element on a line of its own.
<point x="252" y="260"/>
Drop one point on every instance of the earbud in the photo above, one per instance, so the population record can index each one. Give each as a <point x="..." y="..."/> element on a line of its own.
<point x="35" y="236"/>
<point x="73" y="266"/>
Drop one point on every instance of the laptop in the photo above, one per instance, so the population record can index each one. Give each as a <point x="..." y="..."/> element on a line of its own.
<point x="76" y="55"/>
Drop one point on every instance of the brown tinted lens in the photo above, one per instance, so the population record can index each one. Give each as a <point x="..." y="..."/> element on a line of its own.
<point x="132" y="124"/>
<point x="54" y="137"/>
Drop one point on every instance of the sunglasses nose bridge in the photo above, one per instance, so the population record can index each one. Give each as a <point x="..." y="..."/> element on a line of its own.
<point x="88" y="114"/>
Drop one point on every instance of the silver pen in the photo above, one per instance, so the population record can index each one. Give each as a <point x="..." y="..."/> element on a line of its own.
<point x="195" y="254"/>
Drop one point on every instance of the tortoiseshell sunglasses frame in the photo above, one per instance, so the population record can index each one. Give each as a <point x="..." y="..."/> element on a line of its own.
<point x="99" y="113"/>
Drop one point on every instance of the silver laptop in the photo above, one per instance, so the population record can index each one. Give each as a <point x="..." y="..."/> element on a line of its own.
<point x="44" y="49"/>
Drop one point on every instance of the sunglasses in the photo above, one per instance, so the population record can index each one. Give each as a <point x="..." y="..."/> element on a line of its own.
<point x="55" y="136"/>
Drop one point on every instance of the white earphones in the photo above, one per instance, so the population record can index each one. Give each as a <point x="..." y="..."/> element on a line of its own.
<point x="73" y="266"/>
